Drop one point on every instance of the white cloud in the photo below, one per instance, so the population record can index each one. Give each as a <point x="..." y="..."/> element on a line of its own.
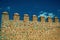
<point x="51" y="15"/>
<point x="41" y="12"/>
<point x="45" y="14"/>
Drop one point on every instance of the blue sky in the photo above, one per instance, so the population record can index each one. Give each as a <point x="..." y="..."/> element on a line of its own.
<point x="38" y="7"/>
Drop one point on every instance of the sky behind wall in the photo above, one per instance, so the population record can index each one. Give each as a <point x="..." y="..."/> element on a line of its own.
<point x="38" y="7"/>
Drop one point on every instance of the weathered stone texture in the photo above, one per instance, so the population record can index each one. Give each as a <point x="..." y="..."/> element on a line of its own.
<point x="29" y="30"/>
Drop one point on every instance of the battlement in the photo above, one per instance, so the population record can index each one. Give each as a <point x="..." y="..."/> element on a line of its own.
<point x="16" y="17"/>
<point x="17" y="29"/>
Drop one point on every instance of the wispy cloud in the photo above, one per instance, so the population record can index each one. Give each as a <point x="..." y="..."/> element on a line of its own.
<point x="51" y="15"/>
<point x="43" y="14"/>
<point x="46" y="14"/>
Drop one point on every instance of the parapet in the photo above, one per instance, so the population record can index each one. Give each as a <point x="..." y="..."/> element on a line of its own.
<point x="5" y="13"/>
<point x="49" y="19"/>
<point x="42" y="19"/>
<point x="16" y="17"/>
<point x="34" y="18"/>
<point x="5" y="16"/>
<point x="56" y="19"/>
<point x="26" y="18"/>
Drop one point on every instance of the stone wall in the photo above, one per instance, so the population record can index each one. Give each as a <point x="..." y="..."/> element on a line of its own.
<point x="29" y="30"/>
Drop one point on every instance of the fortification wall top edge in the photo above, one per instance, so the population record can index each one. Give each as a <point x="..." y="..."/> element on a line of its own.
<point x="27" y="18"/>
